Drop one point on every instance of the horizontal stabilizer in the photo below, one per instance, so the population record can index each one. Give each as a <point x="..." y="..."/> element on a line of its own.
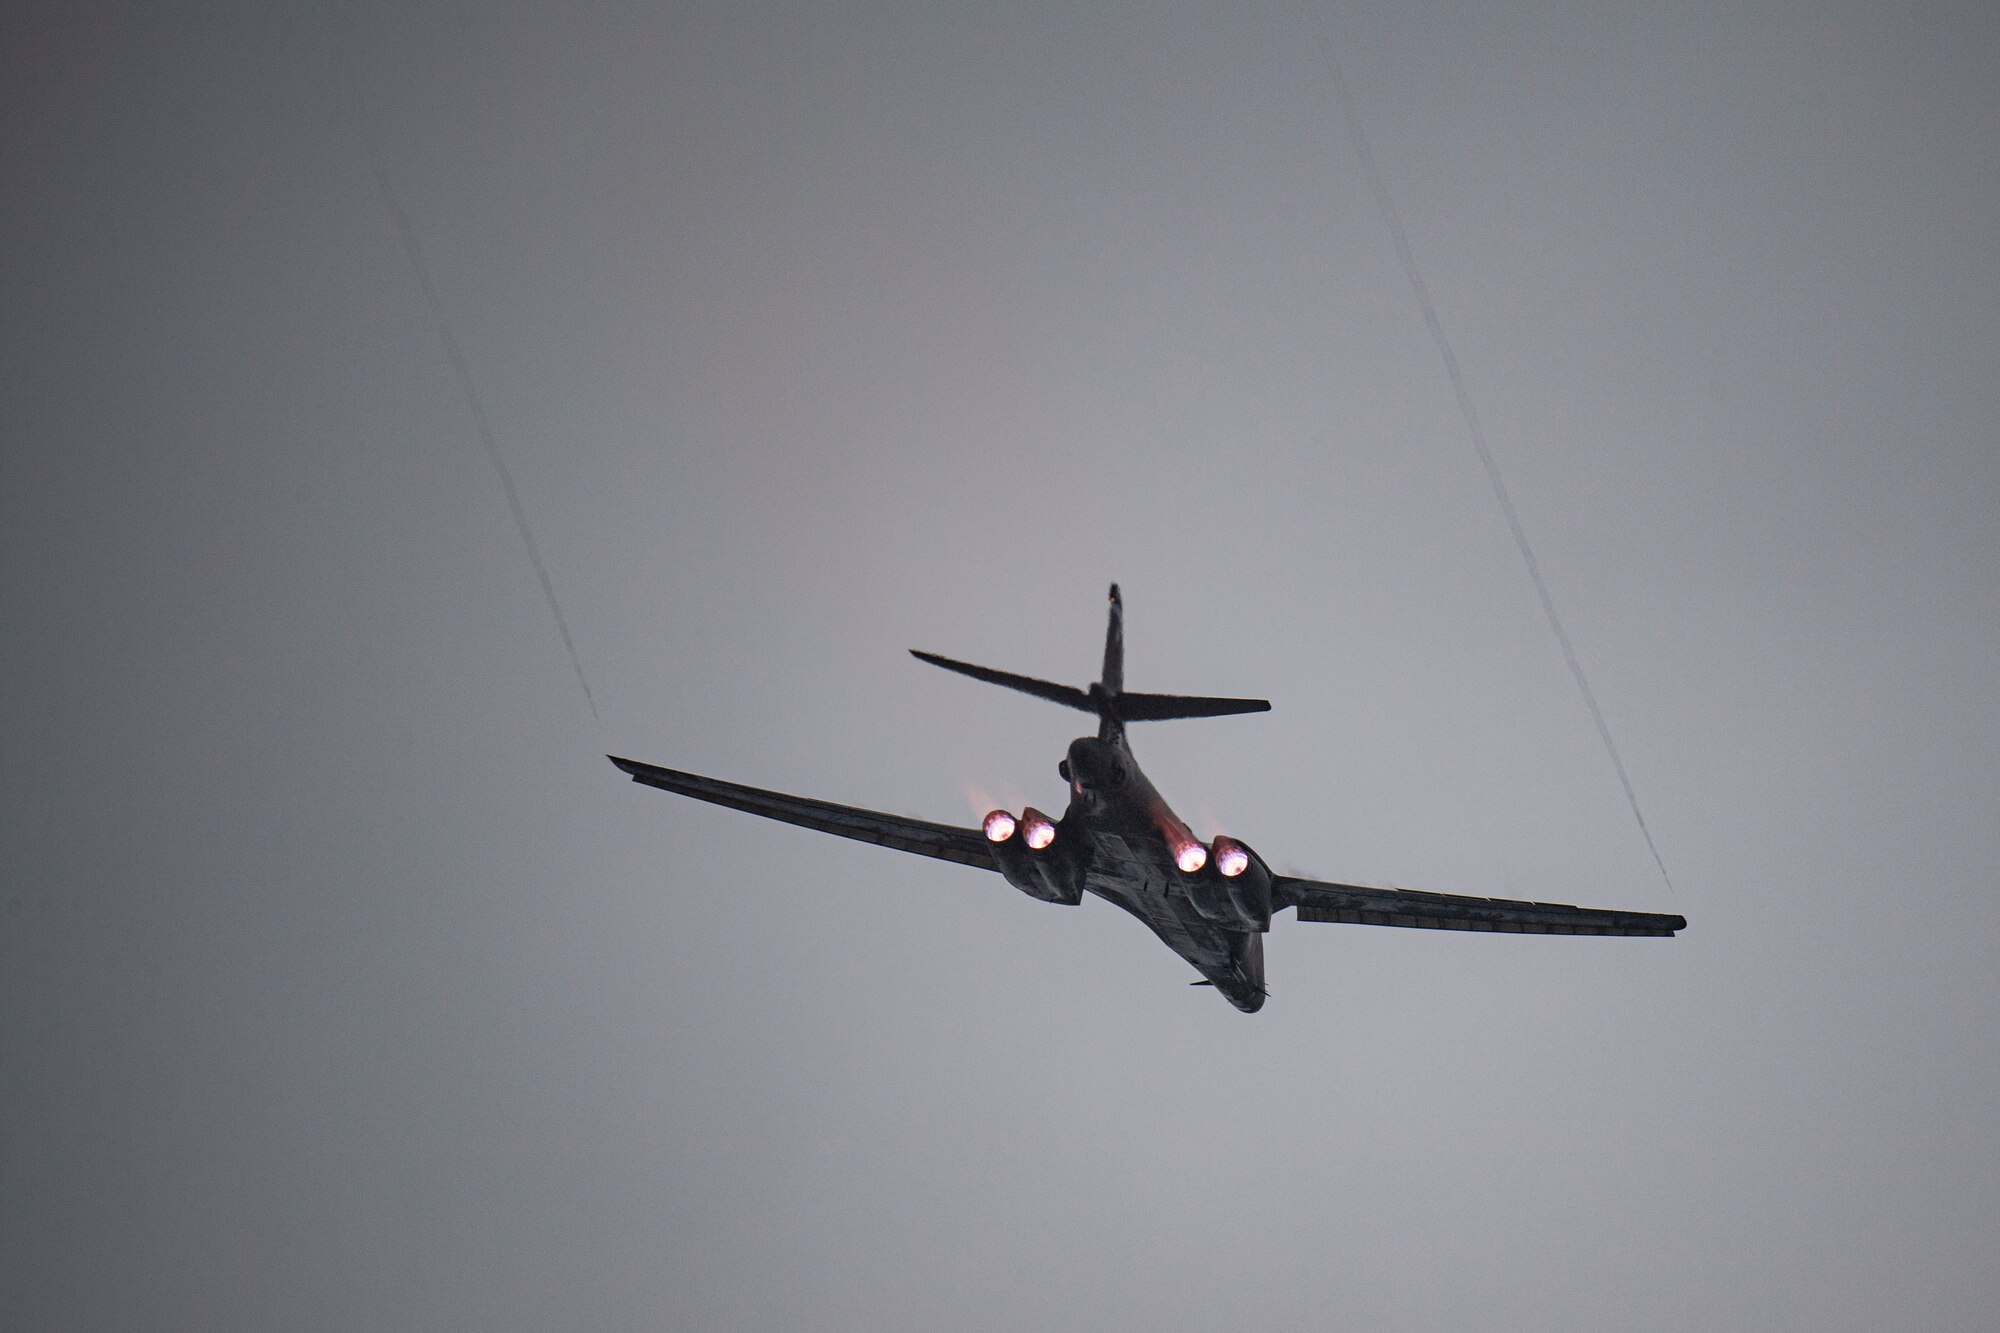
<point x="1068" y="695"/>
<point x="1161" y="707"/>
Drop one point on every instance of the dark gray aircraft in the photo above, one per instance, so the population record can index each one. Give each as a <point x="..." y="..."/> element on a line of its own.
<point x="1211" y="904"/>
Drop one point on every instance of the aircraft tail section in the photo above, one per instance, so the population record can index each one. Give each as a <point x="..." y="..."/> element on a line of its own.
<point x="1113" y="678"/>
<point x="1162" y="707"/>
<point x="1067" y="695"/>
<point x="1107" y="699"/>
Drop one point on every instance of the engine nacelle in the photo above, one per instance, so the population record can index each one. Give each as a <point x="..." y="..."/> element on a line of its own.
<point x="1247" y="880"/>
<point x="1206" y="891"/>
<point x="1034" y="857"/>
<point x="1234" y="889"/>
<point x="1228" y="885"/>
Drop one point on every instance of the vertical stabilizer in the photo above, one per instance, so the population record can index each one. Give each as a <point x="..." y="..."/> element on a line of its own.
<point x="1110" y="727"/>
<point x="1113" y="678"/>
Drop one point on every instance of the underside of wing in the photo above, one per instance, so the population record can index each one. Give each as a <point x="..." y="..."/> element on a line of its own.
<point x="1317" y="901"/>
<point x="963" y="845"/>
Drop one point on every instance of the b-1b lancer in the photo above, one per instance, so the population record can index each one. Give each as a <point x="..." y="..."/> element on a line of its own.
<point x="1210" y="903"/>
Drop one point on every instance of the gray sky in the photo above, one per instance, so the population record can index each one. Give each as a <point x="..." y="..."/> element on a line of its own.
<point x="346" y="986"/>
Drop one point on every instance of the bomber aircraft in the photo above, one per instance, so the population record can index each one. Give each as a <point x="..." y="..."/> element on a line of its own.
<point x="1210" y="903"/>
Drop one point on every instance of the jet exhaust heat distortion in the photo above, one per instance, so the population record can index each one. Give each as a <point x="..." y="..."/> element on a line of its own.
<point x="1211" y="903"/>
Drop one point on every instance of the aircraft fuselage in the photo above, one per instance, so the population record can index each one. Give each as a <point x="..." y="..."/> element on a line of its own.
<point x="1128" y="843"/>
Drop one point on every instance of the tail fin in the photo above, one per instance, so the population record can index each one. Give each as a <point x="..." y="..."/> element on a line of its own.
<point x="1113" y="678"/>
<point x="1107" y="699"/>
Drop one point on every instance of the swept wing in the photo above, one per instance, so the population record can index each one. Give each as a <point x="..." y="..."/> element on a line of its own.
<point x="1316" y="900"/>
<point x="1319" y="901"/>
<point x="964" y="845"/>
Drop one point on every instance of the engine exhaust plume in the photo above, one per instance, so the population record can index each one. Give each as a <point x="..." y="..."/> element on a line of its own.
<point x="1231" y="857"/>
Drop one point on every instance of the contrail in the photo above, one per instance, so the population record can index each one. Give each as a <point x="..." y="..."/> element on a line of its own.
<point x="1351" y="118"/>
<point x="377" y="163"/>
